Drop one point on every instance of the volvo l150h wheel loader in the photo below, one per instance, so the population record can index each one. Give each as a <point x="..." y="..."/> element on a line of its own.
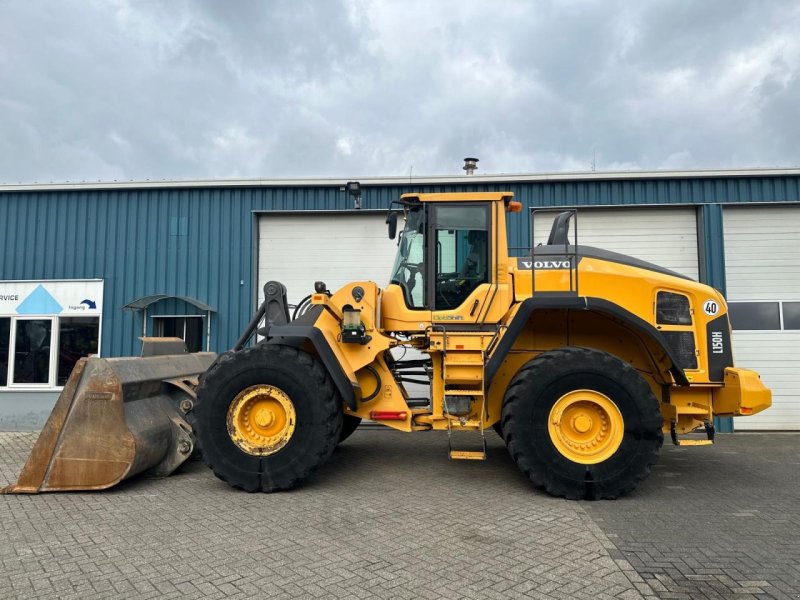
<point x="580" y="358"/>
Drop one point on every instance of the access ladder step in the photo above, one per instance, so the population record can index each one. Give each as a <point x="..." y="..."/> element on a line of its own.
<point x="468" y="425"/>
<point x="709" y="427"/>
<point x="694" y="442"/>
<point x="463" y="392"/>
<point x="467" y="455"/>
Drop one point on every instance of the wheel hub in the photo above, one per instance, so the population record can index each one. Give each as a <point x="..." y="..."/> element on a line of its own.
<point x="582" y="423"/>
<point x="264" y="417"/>
<point x="261" y="420"/>
<point x="586" y="426"/>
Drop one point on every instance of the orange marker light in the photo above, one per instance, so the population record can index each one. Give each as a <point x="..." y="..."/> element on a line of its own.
<point x="514" y="206"/>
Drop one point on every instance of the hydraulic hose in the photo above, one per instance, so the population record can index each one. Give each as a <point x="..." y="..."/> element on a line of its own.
<point x="301" y="307"/>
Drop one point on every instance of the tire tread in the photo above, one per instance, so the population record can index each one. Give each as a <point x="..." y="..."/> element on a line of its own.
<point x="230" y="363"/>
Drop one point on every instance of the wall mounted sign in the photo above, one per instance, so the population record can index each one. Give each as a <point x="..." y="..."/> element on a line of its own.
<point x="67" y="298"/>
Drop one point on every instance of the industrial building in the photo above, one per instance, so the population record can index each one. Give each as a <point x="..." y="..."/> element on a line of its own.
<point x="88" y="268"/>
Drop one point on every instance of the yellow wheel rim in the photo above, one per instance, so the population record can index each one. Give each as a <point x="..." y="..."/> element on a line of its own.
<point x="586" y="426"/>
<point x="261" y="420"/>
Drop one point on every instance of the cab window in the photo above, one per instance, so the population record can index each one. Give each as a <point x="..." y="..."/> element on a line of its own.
<point x="409" y="266"/>
<point x="461" y="252"/>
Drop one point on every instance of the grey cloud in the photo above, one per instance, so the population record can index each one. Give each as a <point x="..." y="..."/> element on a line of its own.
<point x="149" y="90"/>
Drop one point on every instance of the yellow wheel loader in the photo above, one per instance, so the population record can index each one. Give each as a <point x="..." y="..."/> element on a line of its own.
<point x="581" y="359"/>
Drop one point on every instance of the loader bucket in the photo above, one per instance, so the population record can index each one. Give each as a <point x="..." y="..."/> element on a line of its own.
<point x="115" y="418"/>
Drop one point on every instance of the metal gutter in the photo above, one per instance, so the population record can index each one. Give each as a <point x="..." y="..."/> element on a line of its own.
<point x="405" y="180"/>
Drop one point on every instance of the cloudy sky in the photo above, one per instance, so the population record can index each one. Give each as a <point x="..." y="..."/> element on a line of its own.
<point x="123" y="89"/>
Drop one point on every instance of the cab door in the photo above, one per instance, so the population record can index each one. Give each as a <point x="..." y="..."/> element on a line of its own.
<point x="460" y="259"/>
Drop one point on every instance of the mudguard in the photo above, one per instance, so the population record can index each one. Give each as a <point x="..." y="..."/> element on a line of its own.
<point x="298" y="335"/>
<point x="578" y="303"/>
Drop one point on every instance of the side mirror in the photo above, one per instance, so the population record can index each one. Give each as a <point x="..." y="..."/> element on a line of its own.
<point x="391" y="220"/>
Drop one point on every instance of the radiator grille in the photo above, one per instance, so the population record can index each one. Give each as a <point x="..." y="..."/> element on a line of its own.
<point x="672" y="309"/>
<point x="682" y="345"/>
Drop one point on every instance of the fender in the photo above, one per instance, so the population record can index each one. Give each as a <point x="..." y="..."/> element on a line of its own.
<point x="296" y="335"/>
<point x="578" y="303"/>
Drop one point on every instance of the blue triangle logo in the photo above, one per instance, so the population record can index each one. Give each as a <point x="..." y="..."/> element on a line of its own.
<point x="39" y="302"/>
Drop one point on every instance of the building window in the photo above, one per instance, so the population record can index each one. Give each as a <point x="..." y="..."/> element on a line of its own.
<point x="32" y="342"/>
<point x="791" y="315"/>
<point x="42" y="351"/>
<point x="764" y="316"/>
<point x="755" y="315"/>
<point x="188" y="328"/>
<point x="77" y="337"/>
<point x="5" y="346"/>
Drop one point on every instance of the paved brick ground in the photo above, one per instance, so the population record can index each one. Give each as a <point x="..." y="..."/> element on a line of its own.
<point x="391" y="517"/>
<point x="715" y="522"/>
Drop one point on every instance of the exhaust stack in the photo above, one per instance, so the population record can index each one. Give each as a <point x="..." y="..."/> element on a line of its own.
<point x="470" y="165"/>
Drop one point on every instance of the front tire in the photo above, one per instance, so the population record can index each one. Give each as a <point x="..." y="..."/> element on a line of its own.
<point x="582" y="424"/>
<point x="349" y="426"/>
<point x="498" y="429"/>
<point x="267" y="417"/>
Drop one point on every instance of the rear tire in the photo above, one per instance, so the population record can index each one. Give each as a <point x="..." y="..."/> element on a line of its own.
<point x="314" y="425"/>
<point x="582" y="424"/>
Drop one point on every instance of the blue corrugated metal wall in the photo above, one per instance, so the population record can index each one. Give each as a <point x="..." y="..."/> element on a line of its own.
<point x="199" y="242"/>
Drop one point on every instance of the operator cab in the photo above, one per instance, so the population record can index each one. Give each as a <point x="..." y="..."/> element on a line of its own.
<point x="443" y="253"/>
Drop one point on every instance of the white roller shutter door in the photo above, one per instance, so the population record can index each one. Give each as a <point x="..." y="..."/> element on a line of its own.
<point x="299" y="249"/>
<point x="666" y="237"/>
<point x="762" y="261"/>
